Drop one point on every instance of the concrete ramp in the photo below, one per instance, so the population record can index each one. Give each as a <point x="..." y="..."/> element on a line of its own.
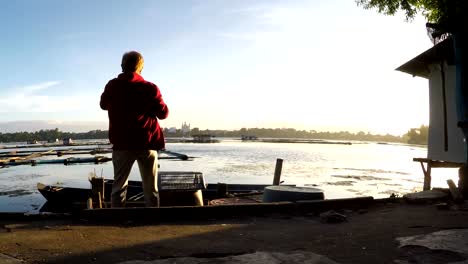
<point x="446" y="246"/>
<point x="296" y="257"/>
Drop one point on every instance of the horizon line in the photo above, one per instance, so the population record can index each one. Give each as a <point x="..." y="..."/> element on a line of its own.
<point x="230" y="130"/>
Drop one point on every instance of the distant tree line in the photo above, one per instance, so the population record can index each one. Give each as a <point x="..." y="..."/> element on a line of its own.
<point x="417" y="135"/>
<point x="51" y="135"/>
<point x="413" y="136"/>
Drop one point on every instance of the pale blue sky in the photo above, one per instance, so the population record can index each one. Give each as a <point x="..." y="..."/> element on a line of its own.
<point x="306" y="64"/>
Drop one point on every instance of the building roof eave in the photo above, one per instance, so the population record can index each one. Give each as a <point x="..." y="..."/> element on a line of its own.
<point x="418" y="66"/>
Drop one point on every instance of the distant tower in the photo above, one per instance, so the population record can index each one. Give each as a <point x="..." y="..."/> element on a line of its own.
<point x="185" y="129"/>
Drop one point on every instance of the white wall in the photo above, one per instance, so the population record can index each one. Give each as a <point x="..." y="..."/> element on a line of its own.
<point x="436" y="145"/>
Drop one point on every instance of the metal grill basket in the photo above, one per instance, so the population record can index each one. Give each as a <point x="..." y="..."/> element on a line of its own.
<point x="181" y="181"/>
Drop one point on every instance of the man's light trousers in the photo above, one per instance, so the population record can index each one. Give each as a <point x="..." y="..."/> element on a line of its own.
<point x="123" y="161"/>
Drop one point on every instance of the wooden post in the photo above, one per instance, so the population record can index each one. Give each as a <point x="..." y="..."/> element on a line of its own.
<point x="97" y="188"/>
<point x="198" y="195"/>
<point x="221" y="190"/>
<point x="89" y="203"/>
<point x="100" y="200"/>
<point x="463" y="180"/>
<point x="427" y="176"/>
<point x="278" y="168"/>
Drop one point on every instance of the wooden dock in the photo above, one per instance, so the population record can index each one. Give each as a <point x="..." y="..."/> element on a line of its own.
<point x="15" y="155"/>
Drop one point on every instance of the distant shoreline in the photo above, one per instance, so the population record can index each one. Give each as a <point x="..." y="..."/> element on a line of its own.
<point x="259" y="133"/>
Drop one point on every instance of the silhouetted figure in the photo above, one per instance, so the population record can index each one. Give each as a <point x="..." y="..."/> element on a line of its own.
<point x="134" y="107"/>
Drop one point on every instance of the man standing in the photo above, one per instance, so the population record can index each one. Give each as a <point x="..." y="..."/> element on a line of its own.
<point x="134" y="107"/>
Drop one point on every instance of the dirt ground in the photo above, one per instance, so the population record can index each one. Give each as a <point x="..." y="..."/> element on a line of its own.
<point x="368" y="236"/>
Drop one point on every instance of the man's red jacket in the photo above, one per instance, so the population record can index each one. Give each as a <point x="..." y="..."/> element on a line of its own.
<point x="134" y="106"/>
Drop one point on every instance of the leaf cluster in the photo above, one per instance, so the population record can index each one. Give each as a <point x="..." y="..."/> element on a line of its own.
<point x="447" y="13"/>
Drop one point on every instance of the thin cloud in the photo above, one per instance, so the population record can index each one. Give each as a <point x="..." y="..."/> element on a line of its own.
<point x="241" y="35"/>
<point x="49" y="104"/>
<point x="248" y="10"/>
<point x="36" y="87"/>
<point x="270" y="23"/>
<point x="24" y="99"/>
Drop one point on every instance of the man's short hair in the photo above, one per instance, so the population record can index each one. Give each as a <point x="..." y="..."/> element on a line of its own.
<point x="132" y="61"/>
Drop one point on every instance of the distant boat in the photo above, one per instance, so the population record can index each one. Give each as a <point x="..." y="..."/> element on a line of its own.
<point x="32" y="141"/>
<point x="67" y="141"/>
<point x="204" y="138"/>
<point x="248" y="137"/>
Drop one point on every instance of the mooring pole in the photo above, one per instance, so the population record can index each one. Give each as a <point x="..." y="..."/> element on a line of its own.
<point x="278" y="168"/>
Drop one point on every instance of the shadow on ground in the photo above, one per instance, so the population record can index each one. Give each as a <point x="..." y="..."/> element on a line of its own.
<point x="367" y="237"/>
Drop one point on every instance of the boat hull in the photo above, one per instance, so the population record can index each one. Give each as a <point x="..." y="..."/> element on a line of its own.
<point x="69" y="198"/>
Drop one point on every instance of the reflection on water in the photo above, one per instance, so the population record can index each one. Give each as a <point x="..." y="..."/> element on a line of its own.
<point x="373" y="170"/>
<point x="362" y="177"/>
<point x="340" y="170"/>
<point x="15" y="193"/>
<point x="340" y="183"/>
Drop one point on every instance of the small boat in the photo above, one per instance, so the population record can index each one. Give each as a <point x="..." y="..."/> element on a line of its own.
<point x="175" y="189"/>
<point x="69" y="195"/>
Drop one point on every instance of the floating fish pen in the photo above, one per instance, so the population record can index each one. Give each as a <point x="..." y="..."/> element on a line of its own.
<point x="304" y="141"/>
<point x="15" y="157"/>
<point x="205" y="138"/>
<point x="66" y="161"/>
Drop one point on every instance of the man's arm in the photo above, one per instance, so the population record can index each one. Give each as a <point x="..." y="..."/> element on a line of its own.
<point x="105" y="98"/>
<point x="159" y="107"/>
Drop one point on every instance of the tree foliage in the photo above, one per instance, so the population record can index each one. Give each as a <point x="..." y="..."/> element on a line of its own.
<point x="50" y="135"/>
<point x="417" y="135"/>
<point x="449" y="14"/>
<point x="290" y="133"/>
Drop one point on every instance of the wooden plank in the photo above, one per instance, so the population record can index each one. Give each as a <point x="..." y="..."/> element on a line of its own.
<point x="53" y="152"/>
<point x="25" y="158"/>
<point x="421" y="159"/>
<point x="68" y="161"/>
<point x="16" y="155"/>
<point x="439" y="163"/>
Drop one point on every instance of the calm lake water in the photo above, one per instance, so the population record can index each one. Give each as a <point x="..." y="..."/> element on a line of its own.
<point x="340" y="170"/>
